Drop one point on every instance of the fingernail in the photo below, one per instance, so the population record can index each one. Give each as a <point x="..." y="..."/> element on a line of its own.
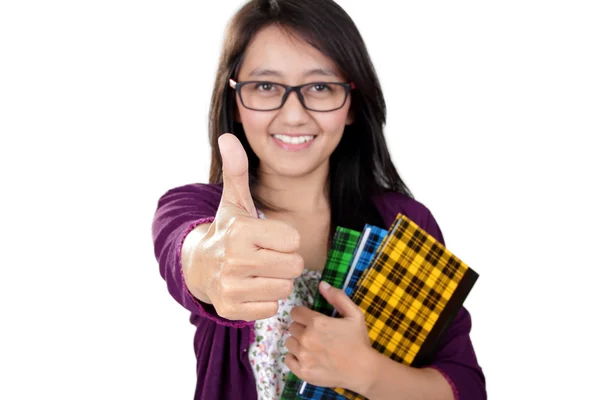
<point x="325" y="285"/>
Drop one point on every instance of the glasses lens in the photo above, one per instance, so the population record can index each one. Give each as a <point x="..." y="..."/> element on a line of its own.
<point x="262" y="95"/>
<point x="320" y="96"/>
<point x="324" y="96"/>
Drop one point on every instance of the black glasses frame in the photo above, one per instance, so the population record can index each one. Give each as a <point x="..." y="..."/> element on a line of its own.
<point x="289" y="89"/>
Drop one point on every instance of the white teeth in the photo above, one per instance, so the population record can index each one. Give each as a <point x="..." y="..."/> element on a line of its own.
<point x="294" y="139"/>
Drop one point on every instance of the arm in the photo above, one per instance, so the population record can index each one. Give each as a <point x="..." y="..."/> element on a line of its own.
<point x="182" y="216"/>
<point x="388" y="379"/>
<point x="455" y="359"/>
<point x="453" y="375"/>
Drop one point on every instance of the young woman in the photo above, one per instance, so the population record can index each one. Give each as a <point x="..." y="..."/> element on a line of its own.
<point x="296" y="129"/>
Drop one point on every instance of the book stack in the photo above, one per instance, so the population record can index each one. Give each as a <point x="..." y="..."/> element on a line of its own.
<point x="408" y="285"/>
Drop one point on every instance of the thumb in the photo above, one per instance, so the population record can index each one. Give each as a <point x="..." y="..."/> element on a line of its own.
<point x="339" y="300"/>
<point x="236" y="189"/>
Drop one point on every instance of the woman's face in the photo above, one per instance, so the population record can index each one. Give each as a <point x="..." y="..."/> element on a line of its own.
<point x="276" y="56"/>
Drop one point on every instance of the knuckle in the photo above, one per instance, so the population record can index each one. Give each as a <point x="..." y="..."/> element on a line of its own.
<point x="272" y="308"/>
<point x="301" y="354"/>
<point x="227" y="265"/>
<point x="229" y="291"/>
<point x="224" y="286"/>
<point x="267" y="311"/>
<point x="308" y="341"/>
<point x="293" y="314"/>
<point x="320" y="323"/>
<point x="231" y="266"/>
<point x="292" y="327"/>
<point x="232" y="292"/>
<point x="224" y="310"/>
<point x="287" y="287"/>
<point x="288" y="342"/>
<point x="297" y="265"/>
<point x="294" y="238"/>
<point x="361" y="317"/>
<point x="304" y="341"/>
<point x="236" y="230"/>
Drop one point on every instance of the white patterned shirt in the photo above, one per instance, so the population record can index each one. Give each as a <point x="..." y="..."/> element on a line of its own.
<point x="267" y="352"/>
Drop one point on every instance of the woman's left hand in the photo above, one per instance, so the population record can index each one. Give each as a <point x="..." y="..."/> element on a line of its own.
<point x="326" y="351"/>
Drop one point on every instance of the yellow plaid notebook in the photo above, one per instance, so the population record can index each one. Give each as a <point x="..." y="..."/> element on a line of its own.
<point x="411" y="292"/>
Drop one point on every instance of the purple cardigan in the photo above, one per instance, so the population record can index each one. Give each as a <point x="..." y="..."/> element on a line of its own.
<point x="221" y="345"/>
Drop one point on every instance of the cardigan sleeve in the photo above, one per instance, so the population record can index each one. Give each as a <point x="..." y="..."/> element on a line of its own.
<point x="178" y="212"/>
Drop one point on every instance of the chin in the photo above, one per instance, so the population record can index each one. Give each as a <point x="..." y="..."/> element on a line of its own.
<point x="295" y="169"/>
<point x="294" y="172"/>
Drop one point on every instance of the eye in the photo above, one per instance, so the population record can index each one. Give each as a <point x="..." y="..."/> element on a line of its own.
<point x="264" y="86"/>
<point x="320" y="87"/>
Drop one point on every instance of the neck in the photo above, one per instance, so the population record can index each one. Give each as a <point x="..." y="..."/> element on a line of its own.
<point x="306" y="195"/>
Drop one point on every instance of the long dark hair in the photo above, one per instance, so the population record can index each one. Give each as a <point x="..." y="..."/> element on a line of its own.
<point x="361" y="165"/>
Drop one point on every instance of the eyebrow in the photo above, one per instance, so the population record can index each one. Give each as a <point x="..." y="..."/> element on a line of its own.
<point x="271" y="72"/>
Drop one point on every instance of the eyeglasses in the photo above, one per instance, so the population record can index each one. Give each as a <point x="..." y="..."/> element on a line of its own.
<point x="314" y="96"/>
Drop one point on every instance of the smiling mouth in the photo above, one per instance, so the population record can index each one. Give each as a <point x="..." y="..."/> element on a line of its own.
<point x="295" y="139"/>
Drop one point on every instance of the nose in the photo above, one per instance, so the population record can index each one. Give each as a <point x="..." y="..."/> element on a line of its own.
<point x="293" y="112"/>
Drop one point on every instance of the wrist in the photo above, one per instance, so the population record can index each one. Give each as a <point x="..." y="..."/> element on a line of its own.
<point x="367" y="370"/>
<point x="191" y="259"/>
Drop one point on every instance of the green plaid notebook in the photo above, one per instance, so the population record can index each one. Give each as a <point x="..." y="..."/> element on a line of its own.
<point x="367" y="246"/>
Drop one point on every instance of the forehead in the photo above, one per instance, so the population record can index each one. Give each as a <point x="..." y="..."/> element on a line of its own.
<point x="276" y="51"/>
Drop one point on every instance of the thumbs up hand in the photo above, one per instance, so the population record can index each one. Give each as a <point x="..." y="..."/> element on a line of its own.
<point x="243" y="264"/>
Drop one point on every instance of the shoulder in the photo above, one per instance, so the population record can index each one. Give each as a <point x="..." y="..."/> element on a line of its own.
<point x="390" y="204"/>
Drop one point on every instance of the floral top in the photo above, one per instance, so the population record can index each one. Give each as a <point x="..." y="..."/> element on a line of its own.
<point x="267" y="352"/>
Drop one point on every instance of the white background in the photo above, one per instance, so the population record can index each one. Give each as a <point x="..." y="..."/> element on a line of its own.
<point x="494" y="116"/>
